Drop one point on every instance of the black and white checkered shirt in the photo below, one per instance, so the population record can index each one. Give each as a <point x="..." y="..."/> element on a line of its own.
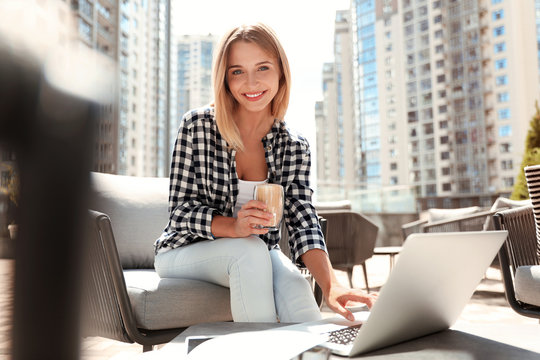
<point x="204" y="183"/>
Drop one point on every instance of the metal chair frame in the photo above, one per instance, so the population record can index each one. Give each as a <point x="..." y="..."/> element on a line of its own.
<point x="520" y="249"/>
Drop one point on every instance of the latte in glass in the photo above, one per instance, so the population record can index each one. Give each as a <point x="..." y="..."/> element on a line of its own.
<point x="272" y="196"/>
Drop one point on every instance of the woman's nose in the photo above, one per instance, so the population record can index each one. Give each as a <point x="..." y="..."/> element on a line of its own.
<point x="252" y="79"/>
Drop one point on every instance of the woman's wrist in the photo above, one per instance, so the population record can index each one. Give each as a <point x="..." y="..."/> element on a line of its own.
<point x="223" y="226"/>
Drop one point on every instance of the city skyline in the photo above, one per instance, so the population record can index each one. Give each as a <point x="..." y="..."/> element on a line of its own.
<point x="443" y="92"/>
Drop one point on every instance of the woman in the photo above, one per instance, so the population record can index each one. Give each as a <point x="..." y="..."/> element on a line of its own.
<point x="221" y="153"/>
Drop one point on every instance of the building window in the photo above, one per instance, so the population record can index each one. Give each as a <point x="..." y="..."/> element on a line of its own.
<point x="437" y="19"/>
<point x="501" y="80"/>
<point x="498" y="31"/>
<point x="498" y="14"/>
<point x="423" y="26"/>
<point x="507" y="165"/>
<point x="505" y="148"/>
<point x="503" y="97"/>
<point x="504" y="114"/>
<point x="440" y="78"/>
<point x="412" y="116"/>
<point x="508" y="181"/>
<point x="447" y="187"/>
<point x="505" y="131"/>
<point x="439" y="64"/>
<point x="85" y="30"/>
<point x="442" y="109"/>
<point x="393" y="166"/>
<point x="445" y="155"/>
<point x="500" y="64"/>
<point x="445" y="171"/>
<point x="499" y="47"/>
<point x="408" y="16"/>
<point x="393" y="180"/>
<point x="496" y="1"/>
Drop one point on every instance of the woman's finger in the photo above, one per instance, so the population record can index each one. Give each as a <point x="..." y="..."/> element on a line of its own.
<point x="254" y="204"/>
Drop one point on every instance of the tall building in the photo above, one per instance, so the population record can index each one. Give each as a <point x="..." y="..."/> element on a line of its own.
<point x="194" y="75"/>
<point x="97" y="24"/>
<point x="443" y="94"/>
<point x="132" y="133"/>
<point x="336" y="113"/>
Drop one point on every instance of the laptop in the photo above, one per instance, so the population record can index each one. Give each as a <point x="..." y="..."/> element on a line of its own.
<point x="432" y="281"/>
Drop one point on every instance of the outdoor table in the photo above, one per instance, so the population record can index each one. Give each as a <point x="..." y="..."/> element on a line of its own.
<point x="448" y="344"/>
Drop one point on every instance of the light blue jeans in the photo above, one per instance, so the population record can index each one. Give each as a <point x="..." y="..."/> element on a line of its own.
<point x="264" y="285"/>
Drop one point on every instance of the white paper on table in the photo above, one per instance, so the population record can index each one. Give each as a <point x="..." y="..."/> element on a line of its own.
<point x="272" y="344"/>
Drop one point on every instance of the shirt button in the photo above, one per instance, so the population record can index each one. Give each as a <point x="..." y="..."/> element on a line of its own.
<point x="269" y="147"/>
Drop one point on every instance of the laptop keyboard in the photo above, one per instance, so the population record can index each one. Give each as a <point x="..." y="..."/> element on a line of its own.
<point x="344" y="336"/>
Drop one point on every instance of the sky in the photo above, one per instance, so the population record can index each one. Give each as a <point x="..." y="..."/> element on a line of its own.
<point x="304" y="27"/>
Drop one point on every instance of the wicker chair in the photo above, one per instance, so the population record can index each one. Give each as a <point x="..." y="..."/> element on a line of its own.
<point x="518" y="257"/>
<point x="469" y="222"/>
<point x="108" y="309"/>
<point x="350" y="240"/>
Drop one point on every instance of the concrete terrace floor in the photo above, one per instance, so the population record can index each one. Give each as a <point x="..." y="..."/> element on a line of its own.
<point x="487" y="314"/>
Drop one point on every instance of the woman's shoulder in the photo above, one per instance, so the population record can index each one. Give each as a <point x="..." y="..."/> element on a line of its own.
<point x="198" y="116"/>
<point x="292" y="137"/>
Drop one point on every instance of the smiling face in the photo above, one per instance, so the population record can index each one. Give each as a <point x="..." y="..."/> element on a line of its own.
<point x="252" y="77"/>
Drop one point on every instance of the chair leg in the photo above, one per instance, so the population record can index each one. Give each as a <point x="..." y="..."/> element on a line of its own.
<point x="350" y="276"/>
<point x="364" y="267"/>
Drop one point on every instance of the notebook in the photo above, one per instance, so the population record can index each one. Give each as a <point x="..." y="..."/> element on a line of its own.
<point x="432" y="281"/>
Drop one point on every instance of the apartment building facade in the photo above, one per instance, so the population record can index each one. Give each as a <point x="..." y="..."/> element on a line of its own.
<point x="194" y="75"/>
<point x="132" y="135"/>
<point x="335" y="115"/>
<point x="444" y="91"/>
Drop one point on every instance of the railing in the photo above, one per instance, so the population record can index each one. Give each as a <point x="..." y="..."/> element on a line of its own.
<point x="385" y="199"/>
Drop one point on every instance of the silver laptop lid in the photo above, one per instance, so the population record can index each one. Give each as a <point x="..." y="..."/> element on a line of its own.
<point x="434" y="278"/>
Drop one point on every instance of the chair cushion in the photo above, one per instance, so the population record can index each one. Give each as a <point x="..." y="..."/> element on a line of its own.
<point x="138" y="208"/>
<point x="446" y="214"/>
<point x="527" y="284"/>
<point x="173" y="303"/>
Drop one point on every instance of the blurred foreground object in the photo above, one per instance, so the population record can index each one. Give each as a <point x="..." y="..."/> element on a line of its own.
<point x="50" y="91"/>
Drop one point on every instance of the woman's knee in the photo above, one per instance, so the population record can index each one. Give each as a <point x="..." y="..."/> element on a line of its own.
<point x="251" y="252"/>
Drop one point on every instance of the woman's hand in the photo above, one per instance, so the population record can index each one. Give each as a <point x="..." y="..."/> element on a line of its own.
<point x="336" y="295"/>
<point x="251" y="218"/>
<point x="339" y="296"/>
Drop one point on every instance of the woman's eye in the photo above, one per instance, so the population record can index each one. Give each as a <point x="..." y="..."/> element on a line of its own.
<point x="236" y="72"/>
<point x="263" y="68"/>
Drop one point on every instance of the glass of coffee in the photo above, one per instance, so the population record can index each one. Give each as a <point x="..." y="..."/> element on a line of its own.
<point x="272" y="196"/>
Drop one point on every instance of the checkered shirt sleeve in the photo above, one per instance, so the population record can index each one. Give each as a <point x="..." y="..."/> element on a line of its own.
<point x="301" y="218"/>
<point x="190" y="218"/>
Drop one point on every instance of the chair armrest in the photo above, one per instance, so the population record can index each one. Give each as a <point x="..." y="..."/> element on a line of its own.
<point x="105" y="292"/>
<point x="412" y="227"/>
<point x="472" y="222"/>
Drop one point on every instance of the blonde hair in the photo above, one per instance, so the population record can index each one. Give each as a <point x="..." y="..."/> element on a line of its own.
<point x="224" y="102"/>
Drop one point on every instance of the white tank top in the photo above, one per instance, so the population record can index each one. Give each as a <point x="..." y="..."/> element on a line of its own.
<point x="245" y="193"/>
